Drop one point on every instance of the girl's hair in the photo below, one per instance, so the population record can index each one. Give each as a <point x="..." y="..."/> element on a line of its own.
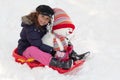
<point x="33" y="17"/>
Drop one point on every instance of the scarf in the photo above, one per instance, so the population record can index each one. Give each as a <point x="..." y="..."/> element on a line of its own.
<point x="62" y="39"/>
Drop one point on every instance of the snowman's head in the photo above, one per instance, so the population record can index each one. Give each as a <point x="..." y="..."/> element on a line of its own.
<point x="63" y="31"/>
<point x="62" y="23"/>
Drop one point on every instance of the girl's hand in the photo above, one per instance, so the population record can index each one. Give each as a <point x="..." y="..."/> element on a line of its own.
<point x="60" y="54"/>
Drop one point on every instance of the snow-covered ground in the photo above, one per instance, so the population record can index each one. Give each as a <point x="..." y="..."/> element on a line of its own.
<point x="97" y="30"/>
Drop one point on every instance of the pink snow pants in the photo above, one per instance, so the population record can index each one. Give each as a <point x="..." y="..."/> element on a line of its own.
<point x="38" y="55"/>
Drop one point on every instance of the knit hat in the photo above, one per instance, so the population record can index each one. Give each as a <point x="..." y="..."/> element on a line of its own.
<point x="45" y="10"/>
<point x="61" y="20"/>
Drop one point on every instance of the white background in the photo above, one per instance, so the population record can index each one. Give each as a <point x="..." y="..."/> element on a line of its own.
<point x="97" y="30"/>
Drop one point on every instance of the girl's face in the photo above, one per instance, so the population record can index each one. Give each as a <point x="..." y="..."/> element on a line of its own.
<point x="43" y="19"/>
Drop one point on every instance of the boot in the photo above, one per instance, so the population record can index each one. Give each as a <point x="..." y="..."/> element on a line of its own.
<point x="76" y="57"/>
<point x="61" y="64"/>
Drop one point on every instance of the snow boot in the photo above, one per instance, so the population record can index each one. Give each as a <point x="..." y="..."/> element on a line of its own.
<point x="61" y="64"/>
<point x="76" y="57"/>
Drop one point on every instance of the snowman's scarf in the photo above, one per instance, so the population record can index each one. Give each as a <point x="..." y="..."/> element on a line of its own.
<point x="62" y="39"/>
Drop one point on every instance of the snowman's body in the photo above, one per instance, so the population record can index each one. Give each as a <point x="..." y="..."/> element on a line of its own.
<point x="49" y="37"/>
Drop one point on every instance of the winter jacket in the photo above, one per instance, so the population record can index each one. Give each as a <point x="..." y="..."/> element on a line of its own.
<point x="31" y="36"/>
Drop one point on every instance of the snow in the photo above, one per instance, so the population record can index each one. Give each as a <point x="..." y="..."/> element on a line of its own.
<point x="97" y="30"/>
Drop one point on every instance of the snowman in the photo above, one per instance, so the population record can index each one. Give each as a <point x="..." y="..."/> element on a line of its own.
<point x="59" y="32"/>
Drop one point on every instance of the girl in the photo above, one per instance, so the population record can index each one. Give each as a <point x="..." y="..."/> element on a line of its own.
<point x="30" y="44"/>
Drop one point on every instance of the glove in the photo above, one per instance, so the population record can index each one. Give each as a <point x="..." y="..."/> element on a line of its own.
<point x="60" y="55"/>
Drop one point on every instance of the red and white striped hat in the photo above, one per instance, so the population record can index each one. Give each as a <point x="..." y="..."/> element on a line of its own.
<point x="61" y="20"/>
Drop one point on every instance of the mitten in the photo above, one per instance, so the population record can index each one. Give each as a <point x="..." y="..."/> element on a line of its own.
<point x="60" y="55"/>
<point x="69" y="49"/>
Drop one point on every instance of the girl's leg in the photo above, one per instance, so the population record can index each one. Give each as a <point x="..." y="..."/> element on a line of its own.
<point x="45" y="58"/>
<point x="38" y="55"/>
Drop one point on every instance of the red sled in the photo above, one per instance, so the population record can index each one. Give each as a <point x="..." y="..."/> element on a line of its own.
<point x="33" y="63"/>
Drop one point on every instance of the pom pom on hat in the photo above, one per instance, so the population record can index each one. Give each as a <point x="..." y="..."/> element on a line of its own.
<point x="61" y="20"/>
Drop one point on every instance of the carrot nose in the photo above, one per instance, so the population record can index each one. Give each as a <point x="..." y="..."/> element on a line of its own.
<point x="70" y="32"/>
